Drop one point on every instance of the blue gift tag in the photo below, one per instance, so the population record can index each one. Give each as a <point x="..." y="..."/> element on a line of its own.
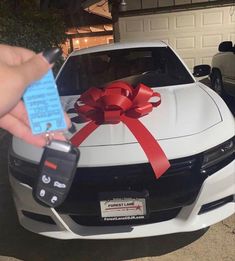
<point x="43" y="105"/>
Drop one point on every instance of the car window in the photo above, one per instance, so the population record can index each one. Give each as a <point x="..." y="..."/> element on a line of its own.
<point x="155" y="67"/>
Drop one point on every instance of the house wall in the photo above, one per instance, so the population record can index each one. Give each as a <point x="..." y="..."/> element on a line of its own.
<point x="144" y="4"/>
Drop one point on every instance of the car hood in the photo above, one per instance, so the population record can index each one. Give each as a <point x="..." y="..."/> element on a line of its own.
<point x="185" y="110"/>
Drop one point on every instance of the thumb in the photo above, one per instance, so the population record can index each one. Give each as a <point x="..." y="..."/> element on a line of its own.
<point x="34" y="68"/>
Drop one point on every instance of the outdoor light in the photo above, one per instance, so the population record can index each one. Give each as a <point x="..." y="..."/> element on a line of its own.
<point x="123" y="2"/>
<point x="123" y="5"/>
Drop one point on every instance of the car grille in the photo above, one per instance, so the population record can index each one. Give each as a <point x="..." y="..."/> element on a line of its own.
<point x="178" y="187"/>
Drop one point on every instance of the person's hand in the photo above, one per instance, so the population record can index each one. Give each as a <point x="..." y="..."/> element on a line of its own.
<point x="18" y="68"/>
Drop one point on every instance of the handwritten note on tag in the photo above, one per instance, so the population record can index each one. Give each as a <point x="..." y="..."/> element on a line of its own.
<point x="43" y="105"/>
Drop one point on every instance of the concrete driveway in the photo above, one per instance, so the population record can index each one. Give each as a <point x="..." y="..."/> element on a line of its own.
<point x="217" y="243"/>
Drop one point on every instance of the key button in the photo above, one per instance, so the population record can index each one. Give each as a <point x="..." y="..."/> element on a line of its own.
<point x="58" y="184"/>
<point x="42" y="193"/>
<point x="54" y="199"/>
<point x="46" y="179"/>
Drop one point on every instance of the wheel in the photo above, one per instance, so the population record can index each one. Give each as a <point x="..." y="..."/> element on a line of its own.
<point x="217" y="83"/>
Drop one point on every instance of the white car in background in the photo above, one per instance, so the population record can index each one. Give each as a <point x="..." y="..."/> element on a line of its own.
<point x="193" y="126"/>
<point x="223" y="70"/>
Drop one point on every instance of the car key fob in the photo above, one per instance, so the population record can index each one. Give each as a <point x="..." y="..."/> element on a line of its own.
<point x="56" y="172"/>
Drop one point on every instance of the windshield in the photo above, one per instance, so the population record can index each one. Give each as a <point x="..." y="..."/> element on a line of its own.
<point x="152" y="66"/>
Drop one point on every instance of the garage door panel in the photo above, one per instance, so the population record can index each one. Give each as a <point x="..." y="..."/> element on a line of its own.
<point x="185" y="42"/>
<point x="135" y="26"/>
<point x="211" y="40"/>
<point x="185" y="21"/>
<point x="212" y="18"/>
<point x="161" y="23"/>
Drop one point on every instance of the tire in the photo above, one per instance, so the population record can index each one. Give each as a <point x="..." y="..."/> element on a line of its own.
<point x="217" y="83"/>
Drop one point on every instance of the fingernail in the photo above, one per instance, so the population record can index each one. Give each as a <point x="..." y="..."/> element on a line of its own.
<point x="51" y="55"/>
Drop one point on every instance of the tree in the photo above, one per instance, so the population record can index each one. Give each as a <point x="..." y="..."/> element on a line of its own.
<point x="23" y="24"/>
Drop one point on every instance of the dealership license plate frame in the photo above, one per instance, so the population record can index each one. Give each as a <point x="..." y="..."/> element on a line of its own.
<point x="123" y="206"/>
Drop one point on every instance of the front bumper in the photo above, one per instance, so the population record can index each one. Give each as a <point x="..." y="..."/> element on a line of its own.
<point x="219" y="187"/>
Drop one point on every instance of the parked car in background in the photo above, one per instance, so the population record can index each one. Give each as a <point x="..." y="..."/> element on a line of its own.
<point x="115" y="193"/>
<point x="223" y="70"/>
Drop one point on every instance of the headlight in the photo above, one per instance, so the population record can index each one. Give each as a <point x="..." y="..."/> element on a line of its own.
<point x="219" y="153"/>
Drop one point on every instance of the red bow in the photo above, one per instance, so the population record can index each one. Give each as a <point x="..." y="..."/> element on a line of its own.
<point x="119" y="101"/>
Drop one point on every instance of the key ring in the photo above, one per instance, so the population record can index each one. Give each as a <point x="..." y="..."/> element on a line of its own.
<point x="49" y="135"/>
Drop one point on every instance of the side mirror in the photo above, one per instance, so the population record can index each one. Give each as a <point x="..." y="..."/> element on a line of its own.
<point x="226" y="46"/>
<point x="201" y="70"/>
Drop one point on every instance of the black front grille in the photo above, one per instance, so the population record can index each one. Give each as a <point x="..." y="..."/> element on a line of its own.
<point x="129" y="175"/>
<point x="178" y="187"/>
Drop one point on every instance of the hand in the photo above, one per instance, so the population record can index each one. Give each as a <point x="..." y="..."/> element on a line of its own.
<point x="18" y="68"/>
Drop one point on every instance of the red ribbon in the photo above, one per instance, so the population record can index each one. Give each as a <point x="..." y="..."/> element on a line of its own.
<point x="120" y="102"/>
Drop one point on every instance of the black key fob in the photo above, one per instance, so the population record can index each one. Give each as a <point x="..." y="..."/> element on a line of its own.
<point x="56" y="172"/>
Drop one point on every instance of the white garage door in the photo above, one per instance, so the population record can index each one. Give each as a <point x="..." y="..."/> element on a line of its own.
<point x="194" y="34"/>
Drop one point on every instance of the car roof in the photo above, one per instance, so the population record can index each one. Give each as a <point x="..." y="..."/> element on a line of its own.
<point x="118" y="46"/>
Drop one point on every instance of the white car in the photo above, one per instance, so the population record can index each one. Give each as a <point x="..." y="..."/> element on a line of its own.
<point x="223" y="69"/>
<point x="115" y="193"/>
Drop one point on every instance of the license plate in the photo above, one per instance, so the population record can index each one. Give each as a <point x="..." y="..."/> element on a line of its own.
<point x="123" y="206"/>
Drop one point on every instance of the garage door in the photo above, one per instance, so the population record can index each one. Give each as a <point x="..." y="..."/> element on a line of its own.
<point x="194" y="34"/>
